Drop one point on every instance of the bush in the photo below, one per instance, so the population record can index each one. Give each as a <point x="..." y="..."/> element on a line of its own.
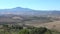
<point x="24" y="31"/>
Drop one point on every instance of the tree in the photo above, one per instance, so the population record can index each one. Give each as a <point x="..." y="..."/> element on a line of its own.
<point x="39" y="30"/>
<point x="24" y="31"/>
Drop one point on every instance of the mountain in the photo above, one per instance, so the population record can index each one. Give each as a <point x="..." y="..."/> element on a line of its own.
<point x="27" y="11"/>
<point x="15" y="10"/>
<point x="22" y="11"/>
<point x="18" y="14"/>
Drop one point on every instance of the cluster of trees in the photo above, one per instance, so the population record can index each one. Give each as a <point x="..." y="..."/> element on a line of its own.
<point x="27" y="30"/>
<point x="33" y="31"/>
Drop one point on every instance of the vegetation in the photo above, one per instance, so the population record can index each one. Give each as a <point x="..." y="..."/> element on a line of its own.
<point x="14" y="29"/>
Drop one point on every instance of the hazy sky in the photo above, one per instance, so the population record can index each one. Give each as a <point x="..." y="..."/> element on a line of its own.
<point x="33" y="4"/>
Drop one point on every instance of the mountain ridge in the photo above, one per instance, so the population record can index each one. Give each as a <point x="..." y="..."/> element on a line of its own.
<point x="27" y="11"/>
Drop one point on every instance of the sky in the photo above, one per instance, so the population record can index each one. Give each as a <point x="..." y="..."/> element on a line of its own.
<point x="32" y="4"/>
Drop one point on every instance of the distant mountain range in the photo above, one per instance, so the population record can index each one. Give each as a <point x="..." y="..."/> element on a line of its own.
<point x="19" y="15"/>
<point x="27" y="11"/>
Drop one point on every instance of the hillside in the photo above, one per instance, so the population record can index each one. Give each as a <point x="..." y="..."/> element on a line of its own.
<point x="28" y="16"/>
<point x="52" y="25"/>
